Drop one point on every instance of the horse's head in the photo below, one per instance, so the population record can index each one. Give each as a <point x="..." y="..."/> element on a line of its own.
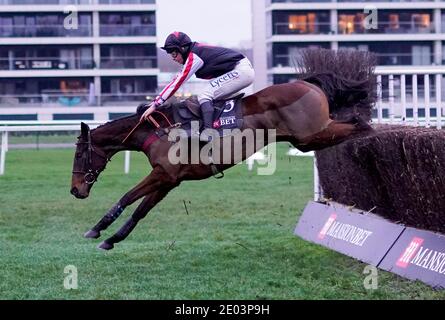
<point x="89" y="162"/>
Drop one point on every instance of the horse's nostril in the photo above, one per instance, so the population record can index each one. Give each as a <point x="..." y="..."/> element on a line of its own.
<point x="74" y="191"/>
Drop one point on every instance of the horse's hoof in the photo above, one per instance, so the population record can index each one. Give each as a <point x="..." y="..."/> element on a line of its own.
<point x="92" y="234"/>
<point x="105" y="246"/>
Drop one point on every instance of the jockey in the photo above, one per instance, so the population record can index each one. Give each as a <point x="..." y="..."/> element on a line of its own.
<point x="226" y="70"/>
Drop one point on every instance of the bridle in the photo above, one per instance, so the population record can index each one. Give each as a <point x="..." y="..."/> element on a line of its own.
<point x="90" y="175"/>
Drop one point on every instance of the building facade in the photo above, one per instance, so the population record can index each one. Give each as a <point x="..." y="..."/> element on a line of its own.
<point x="65" y="58"/>
<point x="402" y="33"/>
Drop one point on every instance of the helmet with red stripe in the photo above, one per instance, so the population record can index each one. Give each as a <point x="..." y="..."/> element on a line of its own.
<point x="177" y="41"/>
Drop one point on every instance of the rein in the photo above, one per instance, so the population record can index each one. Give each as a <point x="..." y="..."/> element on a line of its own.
<point x="91" y="175"/>
<point x="153" y="121"/>
<point x="165" y="117"/>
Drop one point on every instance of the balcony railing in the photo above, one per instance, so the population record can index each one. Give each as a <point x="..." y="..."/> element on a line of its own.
<point x="353" y="28"/>
<point x="44" y="31"/>
<point x="124" y="98"/>
<point x="126" y="1"/>
<point x="296" y="1"/>
<point x="383" y="59"/>
<point x="385" y="27"/>
<point x="82" y="98"/>
<point x="302" y="28"/>
<point x="385" y="0"/>
<point x="107" y="30"/>
<point x="139" y="62"/>
<point x="119" y="30"/>
<point x="50" y="98"/>
<point x="51" y="63"/>
<point x="65" y="2"/>
<point x="312" y="1"/>
<point x="395" y="59"/>
<point x="46" y="2"/>
<point x="46" y="63"/>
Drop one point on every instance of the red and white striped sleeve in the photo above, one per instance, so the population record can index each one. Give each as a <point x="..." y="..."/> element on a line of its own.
<point x="192" y="64"/>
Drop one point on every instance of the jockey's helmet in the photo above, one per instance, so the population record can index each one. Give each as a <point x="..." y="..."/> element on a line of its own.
<point x="177" y="41"/>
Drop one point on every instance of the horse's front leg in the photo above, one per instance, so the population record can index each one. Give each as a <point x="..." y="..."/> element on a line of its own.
<point x="151" y="182"/>
<point x="142" y="210"/>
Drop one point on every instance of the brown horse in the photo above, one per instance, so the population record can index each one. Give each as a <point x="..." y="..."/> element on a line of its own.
<point x="331" y="102"/>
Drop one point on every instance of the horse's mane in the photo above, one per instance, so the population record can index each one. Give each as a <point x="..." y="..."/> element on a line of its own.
<point x="120" y="119"/>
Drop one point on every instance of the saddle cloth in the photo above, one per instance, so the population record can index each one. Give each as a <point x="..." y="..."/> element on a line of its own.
<point x="228" y="114"/>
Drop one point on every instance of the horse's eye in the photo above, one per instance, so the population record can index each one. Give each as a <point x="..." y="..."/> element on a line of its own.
<point x="79" y="155"/>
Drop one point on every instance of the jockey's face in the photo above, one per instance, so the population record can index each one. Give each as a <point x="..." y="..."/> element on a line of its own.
<point x="177" y="57"/>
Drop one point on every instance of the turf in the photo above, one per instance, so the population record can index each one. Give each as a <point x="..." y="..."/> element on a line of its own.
<point x="236" y="242"/>
<point x="37" y="138"/>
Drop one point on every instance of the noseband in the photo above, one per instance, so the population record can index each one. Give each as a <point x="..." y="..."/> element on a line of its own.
<point x="90" y="175"/>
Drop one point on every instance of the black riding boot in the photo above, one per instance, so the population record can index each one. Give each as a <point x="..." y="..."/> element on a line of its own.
<point x="207" y="114"/>
<point x="207" y="111"/>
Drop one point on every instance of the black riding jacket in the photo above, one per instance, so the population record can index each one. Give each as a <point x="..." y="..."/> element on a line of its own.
<point x="206" y="62"/>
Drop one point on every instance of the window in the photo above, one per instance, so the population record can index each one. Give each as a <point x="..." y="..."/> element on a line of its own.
<point x="420" y="21"/>
<point x="351" y="23"/>
<point x="421" y="55"/>
<point x="303" y="23"/>
<point x="345" y="24"/>
<point x="298" y="23"/>
<point x="394" y="22"/>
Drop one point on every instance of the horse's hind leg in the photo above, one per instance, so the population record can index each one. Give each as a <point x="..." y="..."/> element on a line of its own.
<point x="335" y="133"/>
<point x="149" y="183"/>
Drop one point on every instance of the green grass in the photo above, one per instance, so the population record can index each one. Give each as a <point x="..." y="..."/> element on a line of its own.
<point x="236" y="243"/>
<point x="40" y="138"/>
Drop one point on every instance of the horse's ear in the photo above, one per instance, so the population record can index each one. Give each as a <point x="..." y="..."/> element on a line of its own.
<point x="84" y="129"/>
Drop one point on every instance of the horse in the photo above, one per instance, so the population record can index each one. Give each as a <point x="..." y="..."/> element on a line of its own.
<point x="330" y="101"/>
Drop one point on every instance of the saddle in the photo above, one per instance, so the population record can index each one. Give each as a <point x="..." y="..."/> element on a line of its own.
<point x="227" y="115"/>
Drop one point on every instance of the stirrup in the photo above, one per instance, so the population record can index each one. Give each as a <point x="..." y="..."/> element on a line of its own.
<point x="216" y="173"/>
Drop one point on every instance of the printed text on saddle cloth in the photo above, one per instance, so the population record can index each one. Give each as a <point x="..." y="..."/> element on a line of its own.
<point x="227" y="120"/>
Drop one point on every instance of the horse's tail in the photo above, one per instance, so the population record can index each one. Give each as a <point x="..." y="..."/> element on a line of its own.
<point x="346" y="77"/>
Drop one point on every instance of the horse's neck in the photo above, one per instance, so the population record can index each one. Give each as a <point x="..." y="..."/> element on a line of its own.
<point x="109" y="137"/>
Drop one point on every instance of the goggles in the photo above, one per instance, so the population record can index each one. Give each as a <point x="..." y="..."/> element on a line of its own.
<point x="171" y="50"/>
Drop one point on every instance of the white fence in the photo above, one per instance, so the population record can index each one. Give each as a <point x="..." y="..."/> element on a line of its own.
<point x="42" y="126"/>
<point x="399" y="97"/>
